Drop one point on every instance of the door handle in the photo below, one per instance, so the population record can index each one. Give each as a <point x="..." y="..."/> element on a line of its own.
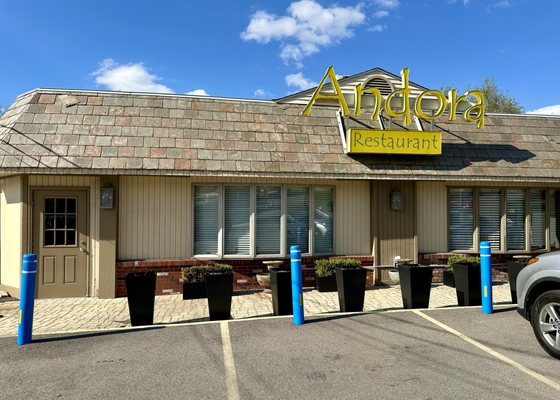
<point x="83" y="246"/>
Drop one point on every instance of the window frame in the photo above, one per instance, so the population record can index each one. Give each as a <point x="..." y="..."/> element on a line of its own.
<point x="284" y="252"/>
<point x="503" y="215"/>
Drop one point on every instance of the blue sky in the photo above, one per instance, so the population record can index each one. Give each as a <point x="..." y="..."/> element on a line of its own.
<point x="264" y="49"/>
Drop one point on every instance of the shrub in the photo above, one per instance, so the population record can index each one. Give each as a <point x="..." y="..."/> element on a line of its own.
<point x="325" y="267"/>
<point x="195" y="273"/>
<point x="220" y="269"/>
<point x="462" y="260"/>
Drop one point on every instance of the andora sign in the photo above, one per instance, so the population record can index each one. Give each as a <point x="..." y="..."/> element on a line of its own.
<point x="393" y="142"/>
<point x="474" y="113"/>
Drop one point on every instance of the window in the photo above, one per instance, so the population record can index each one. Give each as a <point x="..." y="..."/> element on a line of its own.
<point x="298" y="218"/>
<point x="538" y="219"/>
<point x="510" y="219"/>
<point x="554" y="205"/>
<point x="253" y="220"/>
<point x="515" y="232"/>
<point x="490" y="217"/>
<point x="269" y="215"/>
<point x="237" y="214"/>
<point x="461" y="219"/>
<point x="324" y="215"/>
<point x="206" y="219"/>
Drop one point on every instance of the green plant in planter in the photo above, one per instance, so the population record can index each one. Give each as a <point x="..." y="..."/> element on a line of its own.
<point x="461" y="260"/>
<point x="220" y="269"/>
<point x="195" y="274"/>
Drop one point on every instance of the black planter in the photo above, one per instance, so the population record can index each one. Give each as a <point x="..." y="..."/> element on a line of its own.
<point x="416" y="283"/>
<point x="514" y="267"/>
<point x="448" y="278"/>
<point x="351" y="286"/>
<point x="194" y="290"/>
<point x="141" y="292"/>
<point x="325" y="283"/>
<point x="219" y="289"/>
<point x="281" y="288"/>
<point x="467" y="284"/>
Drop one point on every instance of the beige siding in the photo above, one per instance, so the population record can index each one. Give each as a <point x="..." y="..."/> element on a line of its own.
<point x="92" y="184"/>
<point x="352" y="218"/>
<point x="431" y="210"/>
<point x="11" y="215"/>
<point x="394" y="232"/>
<point x="154" y="217"/>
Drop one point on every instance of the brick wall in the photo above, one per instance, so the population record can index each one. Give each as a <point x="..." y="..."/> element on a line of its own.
<point x="244" y="271"/>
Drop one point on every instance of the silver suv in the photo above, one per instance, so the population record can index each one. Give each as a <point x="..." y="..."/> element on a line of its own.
<point x="538" y="299"/>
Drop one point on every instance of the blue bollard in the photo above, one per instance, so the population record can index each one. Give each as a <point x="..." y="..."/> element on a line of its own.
<point x="27" y="298"/>
<point x="297" y="285"/>
<point x="486" y="278"/>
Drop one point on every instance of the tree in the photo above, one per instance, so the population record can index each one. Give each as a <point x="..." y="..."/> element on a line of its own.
<point x="496" y="100"/>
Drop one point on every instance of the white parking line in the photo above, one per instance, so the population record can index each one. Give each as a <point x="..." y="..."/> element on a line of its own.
<point x="231" y="376"/>
<point x="493" y="353"/>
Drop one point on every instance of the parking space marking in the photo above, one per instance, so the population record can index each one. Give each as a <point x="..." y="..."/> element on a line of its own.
<point x="231" y="376"/>
<point x="493" y="353"/>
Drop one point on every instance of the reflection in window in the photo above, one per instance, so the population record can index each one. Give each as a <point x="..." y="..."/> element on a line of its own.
<point x="324" y="216"/>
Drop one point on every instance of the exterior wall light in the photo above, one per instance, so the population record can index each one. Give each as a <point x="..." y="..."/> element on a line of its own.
<point x="106" y="197"/>
<point x="396" y="200"/>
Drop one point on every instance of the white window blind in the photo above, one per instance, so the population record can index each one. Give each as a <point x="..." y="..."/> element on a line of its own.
<point x="297" y="219"/>
<point x="206" y="217"/>
<point x="515" y="214"/>
<point x="490" y="217"/>
<point x="461" y="219"/>
<point x="269" y="212"/>
<point x="237" y="209"/>
<point x="324" y="215"/>
<point x="554" y="205"/>
<point x="538" y="219"/>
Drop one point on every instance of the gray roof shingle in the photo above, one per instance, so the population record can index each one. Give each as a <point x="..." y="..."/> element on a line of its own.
<point x="83" y="132"/>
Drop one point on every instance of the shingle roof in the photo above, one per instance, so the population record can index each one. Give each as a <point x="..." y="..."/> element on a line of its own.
<point x="81" y="132"/>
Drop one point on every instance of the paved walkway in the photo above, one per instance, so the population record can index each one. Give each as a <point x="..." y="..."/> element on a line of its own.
<point x="66" y="315"/>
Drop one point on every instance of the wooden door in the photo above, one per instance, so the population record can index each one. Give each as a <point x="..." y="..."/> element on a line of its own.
<point x="61" y="242"/>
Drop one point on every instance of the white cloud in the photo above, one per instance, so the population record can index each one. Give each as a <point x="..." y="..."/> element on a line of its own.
<point x="465" y="2"/>
<point x="133" y="77"/>
<point x="198" y="92"/>
<point x="548" y="110"/>
<point x="299" y="81"/>
<point x="381" y="14"/>
<point x="262" y="93"/>
<point x="500" y="4"/>
<point x="386" y="4"/>
<point x="306" y="28"/>
<point x="377" y="28"/>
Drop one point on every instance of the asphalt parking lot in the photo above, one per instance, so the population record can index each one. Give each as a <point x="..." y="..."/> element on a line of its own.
<point x="437" y="354"/>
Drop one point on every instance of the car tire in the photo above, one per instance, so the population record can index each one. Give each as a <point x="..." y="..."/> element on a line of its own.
<point x="545" y="320"/>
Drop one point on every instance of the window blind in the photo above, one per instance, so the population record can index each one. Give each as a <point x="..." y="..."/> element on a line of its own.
<point x="538" y="219"/>
<point x="206" y="227"/>
<point x="237" y="209"/>
<point x="490" y="217"/>
<point x="297" y="219"/>
<point x="269" y="211"/>
<point x="554" y="205"/>
<point x="515" y="214"/>
<point x="324" y="215"/>
<point x="461" y="219"/>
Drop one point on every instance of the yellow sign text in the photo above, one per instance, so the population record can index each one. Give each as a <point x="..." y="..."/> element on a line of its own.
<point x="393" y="142"/>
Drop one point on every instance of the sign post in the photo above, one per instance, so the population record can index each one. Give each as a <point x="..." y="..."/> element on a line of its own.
<point x="486" y="278"/>
<point x="27" y="299"/>
<point x="297" y="285"/>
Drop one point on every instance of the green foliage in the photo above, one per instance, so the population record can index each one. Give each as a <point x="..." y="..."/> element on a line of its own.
<point x="496" y="100"/>
<point x="462" y="260"/>
<point x="220" y="269"/>
<point x="195" y="273"/>
<point x="198" y="273"/>
<point x="326" y="267"/>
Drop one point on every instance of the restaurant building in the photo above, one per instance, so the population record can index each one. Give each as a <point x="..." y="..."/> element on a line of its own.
<point x="99" y="184"/>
